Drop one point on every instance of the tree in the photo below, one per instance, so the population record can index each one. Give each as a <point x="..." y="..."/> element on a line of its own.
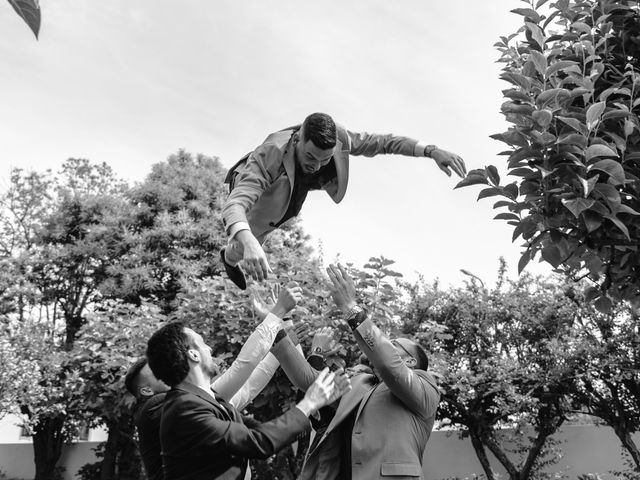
<point x="495" y="352"/>
<point x="606" y="360"/>
<point x="574" y="143"/>
<point x="108" y="343"/>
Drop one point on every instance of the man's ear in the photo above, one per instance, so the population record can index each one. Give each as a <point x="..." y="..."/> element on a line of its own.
<point x="146" y="391"/>
<point x="194" y="355"/>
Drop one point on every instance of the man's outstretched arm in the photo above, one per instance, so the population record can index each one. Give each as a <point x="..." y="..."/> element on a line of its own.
<point x="257" y="345"/>
<point x="371" y="144"/>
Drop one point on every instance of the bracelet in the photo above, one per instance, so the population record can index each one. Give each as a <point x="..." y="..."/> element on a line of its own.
<point x="429" y="149"/>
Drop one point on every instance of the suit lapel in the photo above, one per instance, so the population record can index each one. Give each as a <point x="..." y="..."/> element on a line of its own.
<point x="226" y="411"/>
<point x="360" y="392"/>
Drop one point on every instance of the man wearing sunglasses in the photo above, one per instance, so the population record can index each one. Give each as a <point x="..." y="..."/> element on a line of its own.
<point x="382" y="426"/>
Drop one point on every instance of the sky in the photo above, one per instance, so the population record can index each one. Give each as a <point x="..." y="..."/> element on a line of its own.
<point x="129" y="83"/>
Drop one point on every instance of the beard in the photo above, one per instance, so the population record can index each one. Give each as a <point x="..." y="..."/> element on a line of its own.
<point x="211" y="368"/>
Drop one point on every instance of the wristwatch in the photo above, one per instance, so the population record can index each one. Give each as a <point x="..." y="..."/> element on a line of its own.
<point x="355" y="316"/>
<point x="429" y="149"/>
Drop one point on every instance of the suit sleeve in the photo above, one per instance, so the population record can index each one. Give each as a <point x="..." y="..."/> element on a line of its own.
<point x="201" y="430"/>
<point x="372" y="144"/>
<point x="300" y="373"/>
<point x="252" y="352"/>
<point x="250" y="181"/>
<point x="416" y="389"/>
<point x="259" y="379"/>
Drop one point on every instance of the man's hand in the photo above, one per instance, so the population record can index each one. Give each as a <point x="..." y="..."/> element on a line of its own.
<point x="446" y="160"/>
<point x="327" y="388"/>
<point x="261" y="308"/>
<point x="343" y="290"/>
<point x="287" y="299"/>
<point x="254" y="259"/>
<point x="324" y="342"/>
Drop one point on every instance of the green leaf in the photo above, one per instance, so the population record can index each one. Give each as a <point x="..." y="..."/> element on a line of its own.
<point x="537" y="34"/>
<point x="506" y="216"/>
<point x="521" y="172"/>
<point x="599" y="150"/>
<point x="627" y="209"/>
<point x="591" y="293"/>
<point x="492" y="174"/>
<point x="603" y="304"/>
<point x="561" y="65"/>
<point x="517" y="79"/>
<point x="610" y="167"/>
<point x="489" y="192"/>
<point x="511" y="191"/>
<point x="551" y="255"/>
<point x="592" y="220"/>
<point x="539" y="60"/>
<point x="621" y="226"/>
<point x="609" y="193"/>
<point x="594" y="112"/>
<point x="581" y="27"/>
<point x="524" y="260"/>
<point x="573" y="139"/>
<point x="575" y="124"/>
<point x="502" y="203"/>
<point x="472" y="180"/>
<point x="542" y="117"/>
<point x="577" y="205"/>
<point x="527" y="13"/>
<point x="553" y="94"/>
<point x="29" y="11"/>
<point x="588" y="184"/>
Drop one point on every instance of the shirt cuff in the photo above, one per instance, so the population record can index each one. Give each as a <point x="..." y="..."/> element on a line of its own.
<point x="272" y="322"/>
<point x="237" y="227"/>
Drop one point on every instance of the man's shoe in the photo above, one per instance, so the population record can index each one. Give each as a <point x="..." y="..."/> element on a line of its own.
<point x="235" y="274"/>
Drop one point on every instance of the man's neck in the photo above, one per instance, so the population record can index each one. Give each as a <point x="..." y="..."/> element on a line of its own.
<point x="199" y="379"/>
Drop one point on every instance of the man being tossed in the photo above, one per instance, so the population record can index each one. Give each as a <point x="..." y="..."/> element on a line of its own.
<point x="269" y="185"/>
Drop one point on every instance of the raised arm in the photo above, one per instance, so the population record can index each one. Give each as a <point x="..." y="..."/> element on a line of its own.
<point x="371" y="144"/>
<point x="414" y="388"/>
<point x="257" y="345"/>
<point x="295" y="366"/>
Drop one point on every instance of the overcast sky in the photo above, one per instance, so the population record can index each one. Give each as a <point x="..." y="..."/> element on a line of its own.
<point x="130" y="82"/>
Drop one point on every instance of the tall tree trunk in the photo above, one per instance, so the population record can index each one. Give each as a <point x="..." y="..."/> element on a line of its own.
<point x="108" y="467"/>
<point x="628" y="444"/>
<point x="129" y="461"/>
<point x="482" y="455"/>
<point x="48" y="440"/>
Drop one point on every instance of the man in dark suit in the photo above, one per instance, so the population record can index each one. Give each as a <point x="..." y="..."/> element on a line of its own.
<point x="149" y="393"/>
<point x="381" y="427"/>
<point x="203" y="436"/>
<point x="269" y="185"/>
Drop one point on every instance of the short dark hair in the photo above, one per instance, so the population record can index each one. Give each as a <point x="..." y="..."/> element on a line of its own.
<point x="320" y="129"/>
<point x="422" y="359"/>
<point x="417" y="352"/>
<point x="132" y="378"/>
<point x="167" y="353"/>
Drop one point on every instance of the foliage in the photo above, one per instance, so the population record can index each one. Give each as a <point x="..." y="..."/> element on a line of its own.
<point x="29" y="11"/>
<point x="575" y="142"/>
<point x="496" y="360"/>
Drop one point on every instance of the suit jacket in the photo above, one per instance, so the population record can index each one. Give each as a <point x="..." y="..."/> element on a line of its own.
<point x="204" y="438"/>
<point x="147" y="421"/>
<point x="393" y="418"/>
<point x="262" y="181"/>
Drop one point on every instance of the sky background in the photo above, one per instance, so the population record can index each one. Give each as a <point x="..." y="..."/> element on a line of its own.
<point x="129" y="83"/>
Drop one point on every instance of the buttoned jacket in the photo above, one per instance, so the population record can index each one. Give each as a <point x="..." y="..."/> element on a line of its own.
<point x="393" y="418"/>
<point x="204" y="438"/>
